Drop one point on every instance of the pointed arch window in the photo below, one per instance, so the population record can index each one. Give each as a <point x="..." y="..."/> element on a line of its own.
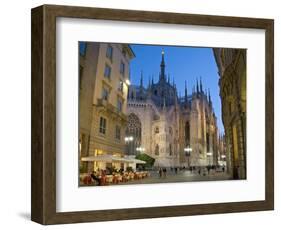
<point x="134" y="129"/>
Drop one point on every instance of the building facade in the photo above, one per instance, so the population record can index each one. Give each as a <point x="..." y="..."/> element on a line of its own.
<point x="103" y="83"/>
<point x="232" y="70"/>
<point x="176" y="131"/>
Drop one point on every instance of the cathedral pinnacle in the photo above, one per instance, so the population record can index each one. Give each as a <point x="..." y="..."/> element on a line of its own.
<point x="197" y="87"/>
<point x="185" y="92"/>
<point x="201" y="88"/>
<point x="141" y="80"/>
<point x="162" y="66"/>
<point x="169" y="78"/>
<point x="210" y="101"/>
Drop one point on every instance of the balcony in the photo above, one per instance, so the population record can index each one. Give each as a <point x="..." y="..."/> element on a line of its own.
<point x="111" y="109"/>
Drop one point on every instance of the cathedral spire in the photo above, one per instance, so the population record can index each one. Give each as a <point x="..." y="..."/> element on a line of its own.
<point x="149" y="81"/>
<point x="210" y="101"/>
<point x="141" y="80"/>
<point x="197" y="86"/>
<point x="185" y="92"/>
<point x="162" y="66"/>
<point x="169" y="78"/>
<point x="201" y="88"/>
<point x="175" y="97"/>
<point x="152" y="82"/>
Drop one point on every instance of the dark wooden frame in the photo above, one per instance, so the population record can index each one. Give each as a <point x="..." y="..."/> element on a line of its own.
<point x="43" y="188"/>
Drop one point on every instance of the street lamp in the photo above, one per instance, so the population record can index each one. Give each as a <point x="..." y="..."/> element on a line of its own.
<point x="187" y="151"/>
<point x="140" y="149"/>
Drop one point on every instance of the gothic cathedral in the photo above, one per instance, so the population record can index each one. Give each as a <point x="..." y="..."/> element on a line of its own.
<point x="174" y="130"/>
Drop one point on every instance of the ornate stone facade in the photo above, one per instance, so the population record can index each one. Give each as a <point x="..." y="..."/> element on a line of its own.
<point x="164" y="124"/>
<point x="232" y="70"/>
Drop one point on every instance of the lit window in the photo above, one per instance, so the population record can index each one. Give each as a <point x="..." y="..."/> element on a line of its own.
<point x="102" y="125"/>
<point x="107" y="71"/>
<point x="109" y="52"/>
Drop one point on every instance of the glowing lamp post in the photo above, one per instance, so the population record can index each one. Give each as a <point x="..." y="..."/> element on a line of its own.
<point x="128" y="141"/>
<point x="188" y="151"/>
<point x="140" y="149"/>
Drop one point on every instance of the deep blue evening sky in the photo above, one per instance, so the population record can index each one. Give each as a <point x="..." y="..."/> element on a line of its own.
<point x="182" y="63"/>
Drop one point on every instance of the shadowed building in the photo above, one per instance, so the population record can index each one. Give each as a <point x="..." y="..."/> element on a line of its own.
<point x="103" y="82"/>
<point x="232" y="70"/>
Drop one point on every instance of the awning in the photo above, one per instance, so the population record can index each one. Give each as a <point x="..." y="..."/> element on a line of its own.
<point x="121" y="159"/>
<point x="103" y="157"/>
<point x="137" y="161"/>
<point x="107" y="158"/>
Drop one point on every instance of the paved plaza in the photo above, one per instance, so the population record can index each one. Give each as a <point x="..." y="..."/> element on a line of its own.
<point x="180" y="176"/>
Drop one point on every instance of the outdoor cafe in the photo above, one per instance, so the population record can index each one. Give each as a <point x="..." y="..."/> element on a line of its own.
<point x="109" y="169"/>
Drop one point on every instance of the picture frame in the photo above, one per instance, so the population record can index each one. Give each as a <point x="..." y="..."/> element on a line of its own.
<point x="43" y="159"/>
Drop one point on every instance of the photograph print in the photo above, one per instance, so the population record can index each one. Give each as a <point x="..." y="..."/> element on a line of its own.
<point x="160" y="114"/>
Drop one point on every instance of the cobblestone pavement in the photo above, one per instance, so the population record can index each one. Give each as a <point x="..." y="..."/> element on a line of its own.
<point x="181" y="176"/>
